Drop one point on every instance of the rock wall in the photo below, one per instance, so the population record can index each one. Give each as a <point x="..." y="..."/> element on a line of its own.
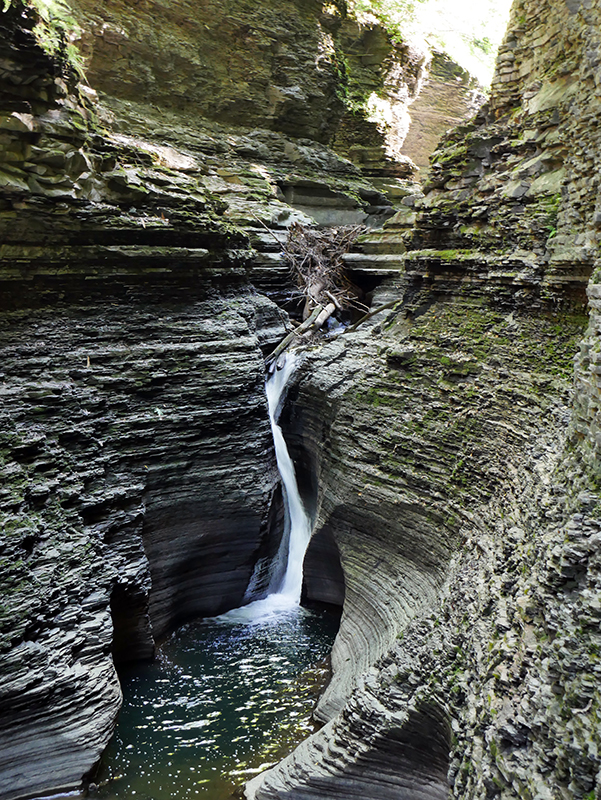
<point x="518" y="185"/>
<point x="258" y="65"/>
<point x="438" y="432"/>
<point x="138" y="475"/>
<point x="448" y="96"/>
<point x="309" y="71"/>
<point x="461" y="408"/>
<point x="435" y="446"/>
<point x="136" y="453"/>
<point x="139" y="479"/>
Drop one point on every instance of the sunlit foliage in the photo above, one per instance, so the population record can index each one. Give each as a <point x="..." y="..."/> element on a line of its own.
<point x="470" y="31"/>
<point x="56" y="29"/>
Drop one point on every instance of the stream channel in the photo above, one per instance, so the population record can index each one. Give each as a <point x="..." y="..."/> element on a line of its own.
<point x="226" y="697"/>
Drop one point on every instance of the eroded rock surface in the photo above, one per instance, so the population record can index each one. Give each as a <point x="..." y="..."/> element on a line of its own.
<point x="445" y="452"/>
<point x="432" y="436"/>
<point x="138" y="473"/>
<point x="139" y="479"/>
<point x="448" y="96"/>
<point x="461" y="406"/>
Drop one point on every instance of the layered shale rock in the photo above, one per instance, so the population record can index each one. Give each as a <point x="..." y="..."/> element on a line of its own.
<point x="138" y="477"/>
<point x="445" y="408"/>
<point x="454" y="506"/>
<point x="518" y="184"/>
<point x="460" y="407"/>
<point x="139" y="481"/>
<point x="448" y="96"/>
<point x="309" y="70"/>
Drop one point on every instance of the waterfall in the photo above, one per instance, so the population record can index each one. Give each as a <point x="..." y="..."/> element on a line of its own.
<point x="286" y="570"/>
<point x="298" y="529"/>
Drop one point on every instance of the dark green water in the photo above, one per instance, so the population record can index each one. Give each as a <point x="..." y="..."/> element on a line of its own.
<point x="221" y="702"/>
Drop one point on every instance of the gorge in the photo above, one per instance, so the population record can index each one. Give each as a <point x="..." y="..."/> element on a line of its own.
<point x="446" y="450"/>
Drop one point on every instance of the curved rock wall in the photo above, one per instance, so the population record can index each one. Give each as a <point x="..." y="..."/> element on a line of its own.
<point x="138" y="473"/>
<point x="474" y="414"/>
<point x="372" y="533"/>
<point x="435" y="429"/>
<point x="136" y="444"/>
<point x="139" y="479"/>
<point x="133" y="405"/>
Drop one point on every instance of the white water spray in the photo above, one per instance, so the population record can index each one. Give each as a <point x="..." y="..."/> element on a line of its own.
<point x="286" y="592"/>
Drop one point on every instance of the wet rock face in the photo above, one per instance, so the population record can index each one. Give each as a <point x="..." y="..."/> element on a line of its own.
<point x="406" y="756"/>
<point x="138" y="473"/>
<point x="478" y="433"/>
<point x="139" y="481"/>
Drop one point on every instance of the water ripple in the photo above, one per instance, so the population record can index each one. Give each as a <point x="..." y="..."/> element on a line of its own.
<point x="217" y="706"/>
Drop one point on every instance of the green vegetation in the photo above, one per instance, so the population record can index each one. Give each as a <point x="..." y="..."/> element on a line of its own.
<point x="394" y="15"/>
<point x="469" y="32"/>
<point x="56" y="30"/>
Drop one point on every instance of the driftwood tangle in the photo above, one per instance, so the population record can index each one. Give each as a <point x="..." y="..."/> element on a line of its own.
<point x="315" y="258"/>
<point x="316" y="262"/>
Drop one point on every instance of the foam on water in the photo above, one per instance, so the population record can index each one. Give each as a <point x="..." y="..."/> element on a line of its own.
<point x="284" y="591"/>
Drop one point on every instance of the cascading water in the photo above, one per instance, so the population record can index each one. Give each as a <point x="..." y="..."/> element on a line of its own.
<point x="284" y="590"/>
<point x="221" y="701"/>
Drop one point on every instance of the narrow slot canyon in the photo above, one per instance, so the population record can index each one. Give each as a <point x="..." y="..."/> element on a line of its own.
<point x="391" y="209"/>
<point x="229" y="692"/>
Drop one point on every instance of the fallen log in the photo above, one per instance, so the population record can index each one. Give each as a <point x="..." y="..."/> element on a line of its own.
<point x="296" y="332"/>
<point x="317" y="263"/>
<point x="369" y="315"/>
<point x="322" y="317"/>
<point x="318" y="317"/>
<point x="316" y="260"/>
